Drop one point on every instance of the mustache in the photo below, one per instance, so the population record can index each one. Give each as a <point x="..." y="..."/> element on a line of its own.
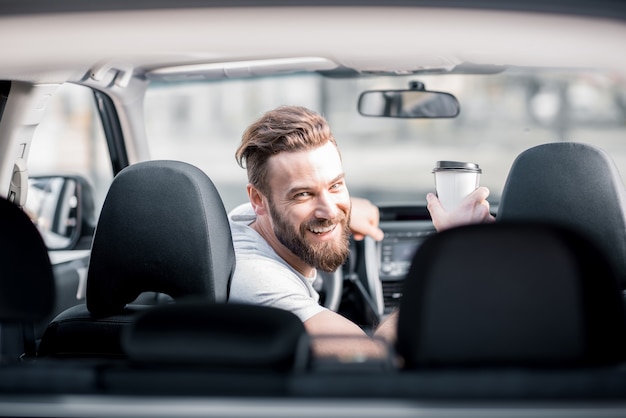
<point x="324" y="223"/>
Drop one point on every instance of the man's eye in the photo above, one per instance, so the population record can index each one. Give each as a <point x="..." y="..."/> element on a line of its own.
<point x="302" y="195"/>
<point x="336" y="186"/>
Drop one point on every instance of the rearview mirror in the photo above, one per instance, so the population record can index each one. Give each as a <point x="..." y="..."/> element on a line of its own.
<point x="62" y="208"/>
<point x="411" y="103"/>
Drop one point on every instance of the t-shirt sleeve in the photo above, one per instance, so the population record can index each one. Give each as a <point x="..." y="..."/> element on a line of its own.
<point x="266" y="282"/>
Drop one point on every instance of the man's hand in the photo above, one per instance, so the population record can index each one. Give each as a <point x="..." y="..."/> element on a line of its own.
<point x="473" y="209"/>
<point x="364" y="220"/>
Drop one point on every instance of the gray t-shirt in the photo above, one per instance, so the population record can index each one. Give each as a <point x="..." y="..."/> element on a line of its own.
<point x="262" y="277"/>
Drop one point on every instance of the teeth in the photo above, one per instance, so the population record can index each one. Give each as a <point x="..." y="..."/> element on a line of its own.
<point x="322" y="230"/>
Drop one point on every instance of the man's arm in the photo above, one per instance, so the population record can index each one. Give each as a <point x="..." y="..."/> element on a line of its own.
<point x="388" y="329"/>
<point x="336" y="336"/>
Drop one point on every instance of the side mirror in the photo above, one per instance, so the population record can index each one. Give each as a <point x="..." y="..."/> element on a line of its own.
<point x="62" y="208"/>
<point x="415" y="102"/>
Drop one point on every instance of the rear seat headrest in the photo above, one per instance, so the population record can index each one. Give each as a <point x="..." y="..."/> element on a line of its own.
<point x="221" y="335"/>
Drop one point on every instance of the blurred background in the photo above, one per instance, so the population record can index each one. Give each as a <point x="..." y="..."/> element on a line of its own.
<point x="388" y="160"/>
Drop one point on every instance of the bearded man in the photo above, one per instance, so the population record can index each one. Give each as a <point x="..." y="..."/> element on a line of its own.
<point x="301" y="223"/>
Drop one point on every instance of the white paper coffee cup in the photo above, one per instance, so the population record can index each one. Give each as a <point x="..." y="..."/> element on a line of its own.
<point x="454" y="180"/>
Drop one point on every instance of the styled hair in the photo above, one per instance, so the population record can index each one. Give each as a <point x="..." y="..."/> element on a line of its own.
<point x="284" y="129"/>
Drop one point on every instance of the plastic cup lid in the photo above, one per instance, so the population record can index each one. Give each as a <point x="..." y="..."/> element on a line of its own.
<point x="457" y="166"/>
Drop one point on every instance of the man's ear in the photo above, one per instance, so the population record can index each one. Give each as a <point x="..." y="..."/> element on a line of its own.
<point x="258" y="200"/>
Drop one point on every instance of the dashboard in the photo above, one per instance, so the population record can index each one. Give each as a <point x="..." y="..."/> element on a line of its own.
<point x="395" y="254"/>
<point x="387" y="262"/>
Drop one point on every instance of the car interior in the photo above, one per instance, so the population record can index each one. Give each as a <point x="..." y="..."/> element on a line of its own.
<point x="118" y="184"/>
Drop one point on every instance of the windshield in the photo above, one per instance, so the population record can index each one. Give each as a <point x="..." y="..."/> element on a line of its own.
<point x="385" y="159"/>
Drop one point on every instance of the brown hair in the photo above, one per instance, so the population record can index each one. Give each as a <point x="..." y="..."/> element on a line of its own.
<point x="284" y="129"/>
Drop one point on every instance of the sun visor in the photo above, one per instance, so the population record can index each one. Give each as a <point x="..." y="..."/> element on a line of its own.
<point x="240" y="69"/>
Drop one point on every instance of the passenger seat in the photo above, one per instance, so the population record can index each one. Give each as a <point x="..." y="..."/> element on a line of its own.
<point x="510" y="295"/>
<point x="572" y="184"/>
<point x="163" y="228"/>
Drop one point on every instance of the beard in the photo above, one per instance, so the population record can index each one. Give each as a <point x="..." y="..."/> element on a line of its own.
<point x="325" y="256"/>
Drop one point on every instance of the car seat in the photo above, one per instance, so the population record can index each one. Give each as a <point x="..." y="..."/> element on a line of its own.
<point x="27" y="290"/>
<point x="163" y="228"/>
<point x="516" y="295"/>
<point x="223" y="336"/>
<point x="572" y="184"/>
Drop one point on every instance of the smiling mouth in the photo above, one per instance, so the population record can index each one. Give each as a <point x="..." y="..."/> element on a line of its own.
<point x="323" y="230"/>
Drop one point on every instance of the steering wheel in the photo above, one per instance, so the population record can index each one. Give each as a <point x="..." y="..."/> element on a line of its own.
<point x="332" y="283"/>
<point x="332" y="287"/>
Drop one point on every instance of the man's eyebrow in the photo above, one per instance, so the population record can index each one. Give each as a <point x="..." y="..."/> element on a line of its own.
<point x="341" y="176"/>
<point x="299" y="188"/>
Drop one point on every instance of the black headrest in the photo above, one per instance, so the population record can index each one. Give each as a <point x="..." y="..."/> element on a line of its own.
<point x="572" y="184"/>
<point x="510" y="294"/>
<point x="163" y="228"/>
<point x="27" y="291"/>
<point x="223" y="335"/>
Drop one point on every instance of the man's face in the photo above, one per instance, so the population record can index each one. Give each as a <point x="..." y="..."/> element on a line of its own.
<point x="310" y="205"/>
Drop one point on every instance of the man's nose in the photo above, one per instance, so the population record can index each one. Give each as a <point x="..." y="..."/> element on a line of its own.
<point x="326" y="206"/>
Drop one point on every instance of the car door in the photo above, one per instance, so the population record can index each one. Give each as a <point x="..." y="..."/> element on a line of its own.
<point x="70" y="170"/>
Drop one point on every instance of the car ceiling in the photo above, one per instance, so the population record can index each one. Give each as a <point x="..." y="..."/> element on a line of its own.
<point x="104" y="43"/>
<point x="612" y="9"/>
<point x="66" y="46"/>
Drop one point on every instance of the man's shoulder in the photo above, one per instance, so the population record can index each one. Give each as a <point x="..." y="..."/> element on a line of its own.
<point x="243" y="214"/>
<point x="240" y="218"/>
<point x="249" y="245"/>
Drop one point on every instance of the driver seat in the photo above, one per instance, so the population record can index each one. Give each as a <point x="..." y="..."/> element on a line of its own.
<point x="572" y="184"/>
<point x="163" y="228"/>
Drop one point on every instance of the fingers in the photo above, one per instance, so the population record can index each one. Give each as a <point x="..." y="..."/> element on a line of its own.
<point x="482" y="207"/>
<point x="438" y="214"/>
<point x="364" y="220"/>
<point x="434" y="205"/>
<point x="368" y="228"/>
<point x="374" y="232"/>
<point x="479" y="195"/>
<point x="377" y="234"/>
<point x="473" y="209"/>
<point x="482" y="213"/>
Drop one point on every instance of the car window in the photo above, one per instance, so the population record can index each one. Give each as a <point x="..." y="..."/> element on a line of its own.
<point x="70" y="141"/>
<point x="392" y="159"/>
